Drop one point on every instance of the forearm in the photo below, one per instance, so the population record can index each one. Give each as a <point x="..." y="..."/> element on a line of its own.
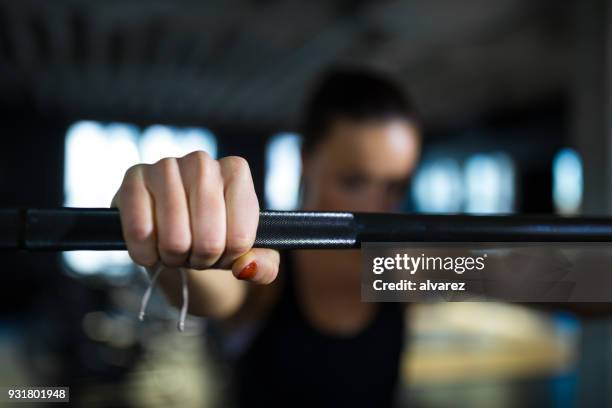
<point x="213" y="293"/>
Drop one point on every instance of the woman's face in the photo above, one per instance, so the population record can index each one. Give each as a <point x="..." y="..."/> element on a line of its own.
<point x="361" y="166"/>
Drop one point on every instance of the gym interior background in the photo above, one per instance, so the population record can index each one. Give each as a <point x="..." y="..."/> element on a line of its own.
<point x="515" y="98"/>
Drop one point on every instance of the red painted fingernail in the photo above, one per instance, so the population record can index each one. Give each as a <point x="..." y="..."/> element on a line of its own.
<point x="248" y="271"/>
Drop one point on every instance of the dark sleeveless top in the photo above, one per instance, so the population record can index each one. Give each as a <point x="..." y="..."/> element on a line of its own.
<point x="290" y="363"/>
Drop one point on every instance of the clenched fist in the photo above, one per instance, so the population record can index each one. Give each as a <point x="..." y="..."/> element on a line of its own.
<point x="194" y="212"/>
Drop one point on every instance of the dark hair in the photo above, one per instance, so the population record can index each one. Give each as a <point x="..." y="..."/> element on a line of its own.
<point x="353" y="93"/>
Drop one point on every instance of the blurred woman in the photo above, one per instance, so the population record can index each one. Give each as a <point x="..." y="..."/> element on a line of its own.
<point x="311" y="341"/>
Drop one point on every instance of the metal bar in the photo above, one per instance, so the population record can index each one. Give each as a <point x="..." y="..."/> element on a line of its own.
<point x="65" y="229"/>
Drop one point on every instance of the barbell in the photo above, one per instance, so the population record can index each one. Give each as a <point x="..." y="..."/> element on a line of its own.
<point x="66" y="229"/>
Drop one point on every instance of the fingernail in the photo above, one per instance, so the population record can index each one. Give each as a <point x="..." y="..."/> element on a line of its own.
<point x="248" y="271"/>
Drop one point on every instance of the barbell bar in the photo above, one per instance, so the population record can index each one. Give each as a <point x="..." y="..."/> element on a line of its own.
<point x="67" y="229"/>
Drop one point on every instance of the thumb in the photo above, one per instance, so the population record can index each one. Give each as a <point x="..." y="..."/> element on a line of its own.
<point x="259" y="265"/>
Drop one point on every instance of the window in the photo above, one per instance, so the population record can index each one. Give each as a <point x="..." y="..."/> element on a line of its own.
<point x="567" y="182"/>
<point x="438" y="186"/>
<point x="283" y="170"/>
<point x="489" y="184"/>
<point x="484" y="183"/>
<point x="96" y="158"/>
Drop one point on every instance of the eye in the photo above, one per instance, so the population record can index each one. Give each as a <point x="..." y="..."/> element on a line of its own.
<point x="352" y="182"/>
<point x="397" y="187"/>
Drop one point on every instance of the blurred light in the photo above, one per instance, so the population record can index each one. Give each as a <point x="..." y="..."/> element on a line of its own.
<point x="96" y="326"/>
<point x="117" y="330"/>
<point x="283" y="169"/>
<point x="437" y="186"/>
<point x="159" y="141"/>
<point x="489" y="183"/>
<point x="567" y="182"/>
<point x="96" y="159"/>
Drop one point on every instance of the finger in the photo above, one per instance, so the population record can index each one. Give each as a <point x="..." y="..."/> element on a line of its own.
<point x="164" y="181"/>
<point x="259" y="265"/>
<point x="241" y="206"/>
<point x="136" y="213"/>
<point x="201" y="176"/>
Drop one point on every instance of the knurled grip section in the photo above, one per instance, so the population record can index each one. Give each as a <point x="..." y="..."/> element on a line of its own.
<point x="287" y="230"/>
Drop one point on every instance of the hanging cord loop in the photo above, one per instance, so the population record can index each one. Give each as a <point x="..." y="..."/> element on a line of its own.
<point x="184" y="290"/>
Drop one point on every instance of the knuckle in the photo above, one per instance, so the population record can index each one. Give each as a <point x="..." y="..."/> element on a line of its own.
<point x="239" y="244"/>
<point x="199" y="156"/>
<point x="133" y="170"/>
<point x="138" y="231"/>
<point x="208" y="249"/>
<point x="235" y="165"/>
<point x="166" y="166"/>
<point x="204" y="167"/>
<point x="174" y="247"/>
<point x="131" y="177"/>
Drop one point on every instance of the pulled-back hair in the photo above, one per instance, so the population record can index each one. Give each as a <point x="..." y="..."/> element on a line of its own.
<point x="352" y="93"/>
